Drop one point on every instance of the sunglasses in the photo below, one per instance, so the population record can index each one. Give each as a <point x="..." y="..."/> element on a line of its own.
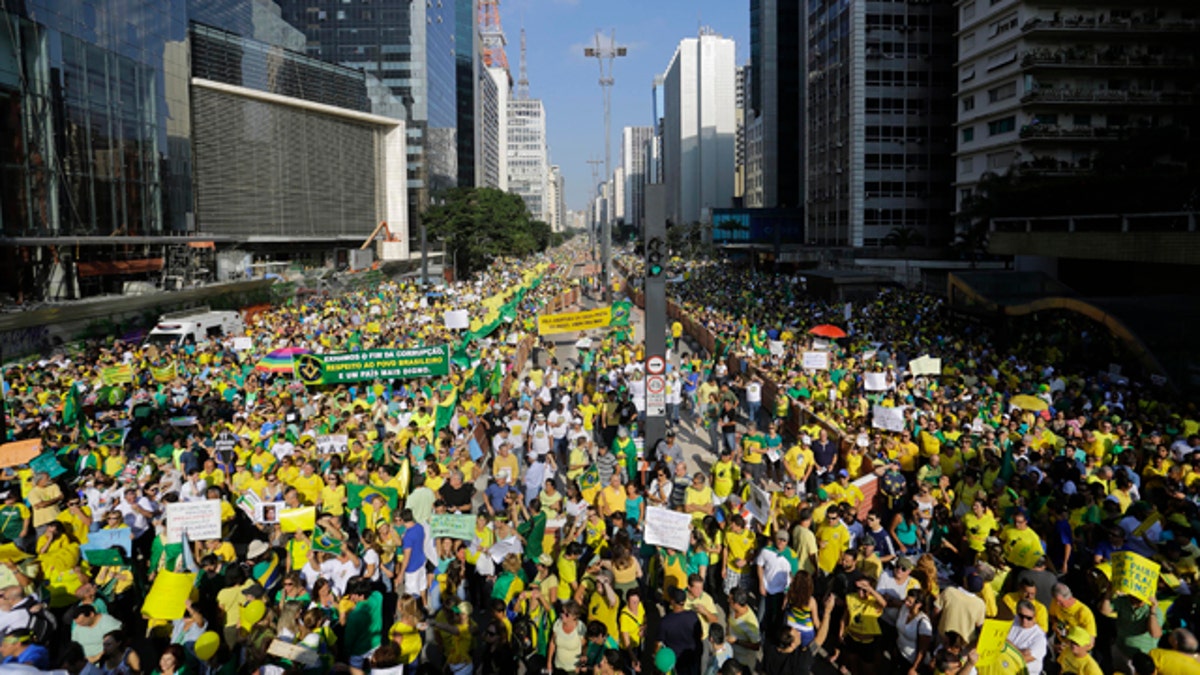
<point x="1026" y="617"/>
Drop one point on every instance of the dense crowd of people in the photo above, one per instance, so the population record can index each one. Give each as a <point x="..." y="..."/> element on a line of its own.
<point x="985" y="507"/>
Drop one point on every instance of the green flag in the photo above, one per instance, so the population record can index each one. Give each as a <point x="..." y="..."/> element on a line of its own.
<point x="70" y="414"/>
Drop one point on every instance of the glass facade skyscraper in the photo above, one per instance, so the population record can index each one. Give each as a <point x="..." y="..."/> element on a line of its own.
<point x="94" y="118"/>
<point x="411" y="48"/>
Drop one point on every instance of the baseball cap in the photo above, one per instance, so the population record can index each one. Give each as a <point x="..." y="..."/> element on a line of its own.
<point x="842" y="473"/>
<point x="905" y="563"/>
<point x="1080" y="637"/>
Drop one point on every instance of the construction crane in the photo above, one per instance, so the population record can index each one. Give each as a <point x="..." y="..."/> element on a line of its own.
<point x="387" y="235"/>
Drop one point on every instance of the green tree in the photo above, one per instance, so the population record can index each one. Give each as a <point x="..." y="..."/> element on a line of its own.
<point x="481" y="224"/>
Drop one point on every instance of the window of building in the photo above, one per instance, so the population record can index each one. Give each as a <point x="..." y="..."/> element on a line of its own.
<point x="1083" y="120"/>
<point x="967" y="74"/>
<point x="1046" y="118"/>
<point x="968" y="42"/>
<point x="968" y="134"/>
<point x="968" y="103"/>
<point x="968" y="11"/>
<point x="1003" y="58"/>
<point x="1002" y="126"/>
<point x="964" y="194"/>
<point x="966" y="165"/>
<point x="1003" y="92"/>
<point x="998" y="28"/>
<point x="999" y="161"/>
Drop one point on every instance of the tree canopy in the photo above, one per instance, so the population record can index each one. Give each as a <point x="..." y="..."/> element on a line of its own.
<point x="481" y="224"/>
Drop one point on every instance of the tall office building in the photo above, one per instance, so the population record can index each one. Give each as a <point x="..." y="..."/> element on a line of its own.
<point x="739" y="148"/>
<point x="528" y="168"/>
<point x="492" y="133"/>
<point x="468" y="73"/>
<point x="554" y="197"/>
<point x="879" y="121"/>
<point x="774" y="102"/>
<point x="618" y="195"/>
<point x="1044" y="90"/>
<point x="633" y="161"/>
<point x="411" y="48"/>
<point x="128" y="126"/>
<point x="699" y="128"/>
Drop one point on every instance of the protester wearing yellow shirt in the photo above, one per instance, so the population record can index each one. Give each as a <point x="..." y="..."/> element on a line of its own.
<point x="798" y="462"/>
<point x="979" y="523"/>
<point x="842" y="491"/>
<point x="739" y="543"/>
<point x="1076" y="655"/>
<point x="833" y="539"/>
<point x="698" y="499"/>
<point x="1067" y="613"/>
<point x="722" y="472"/>
<point x="1022" y="545"/>
<point x="308" y="483"/>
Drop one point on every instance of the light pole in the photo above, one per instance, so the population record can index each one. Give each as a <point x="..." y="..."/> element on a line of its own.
<point x="603" y="53"/>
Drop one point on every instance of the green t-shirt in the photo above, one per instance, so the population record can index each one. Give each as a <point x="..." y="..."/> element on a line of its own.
<point x="1133" y="632"/>
<point x="12" y="520"/>
<point x="364" y="625"/>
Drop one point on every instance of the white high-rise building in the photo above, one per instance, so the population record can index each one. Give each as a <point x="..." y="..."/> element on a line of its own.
<point x="528" y="168"/>
<point x="699" y="127"/>
<point x="555" y="200"/>
<point x="493" y="128"/>
<point x="619" y="214"/>
<point x="633" y="161"/>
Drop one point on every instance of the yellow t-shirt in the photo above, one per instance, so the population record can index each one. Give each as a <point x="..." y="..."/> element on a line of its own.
<point x="566" y="576"/>
<point x="722" y="483"/>
<point x="1086" y="665"/>
<point x="832" y="542"/>
<point x="1022" y="547"/>
<point x="631" y="623"/>
<point x="864" y="614"/>
<point x="600" y="610"/>
<point x="1174" y="663"/>
<point x="309" y="487"/>
<point x="1077" y="615"/>
<point x="978" y="528"/>
<point x="738" y="546"/>
<point x="694" y="497"/>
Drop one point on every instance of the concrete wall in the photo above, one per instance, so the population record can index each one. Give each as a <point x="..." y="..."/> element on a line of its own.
<point x="36" y="331"/>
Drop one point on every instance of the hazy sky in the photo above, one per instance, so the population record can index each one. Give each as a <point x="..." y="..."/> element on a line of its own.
<point x="556" y="32"/>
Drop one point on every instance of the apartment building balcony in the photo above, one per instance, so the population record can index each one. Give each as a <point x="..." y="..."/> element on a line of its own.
<point x="1107" y="97"/>
<point x="1083" y="58"/>
<point x="1051" y="132"/>
<point x="1093" y="25"/>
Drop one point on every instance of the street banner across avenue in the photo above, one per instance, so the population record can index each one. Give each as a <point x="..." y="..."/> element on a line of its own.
<point x="385" y="364"/>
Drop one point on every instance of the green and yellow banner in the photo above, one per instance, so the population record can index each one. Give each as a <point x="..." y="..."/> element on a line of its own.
<point x="372" y="364"/>
<point x="116" y="374"/>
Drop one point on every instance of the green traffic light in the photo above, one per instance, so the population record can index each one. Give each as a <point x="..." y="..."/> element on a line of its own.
<point x="655" y="270"/>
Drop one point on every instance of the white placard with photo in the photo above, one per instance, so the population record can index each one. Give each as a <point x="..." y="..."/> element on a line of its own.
<point x="888" y="419"/>
<point x="668" y="528"/>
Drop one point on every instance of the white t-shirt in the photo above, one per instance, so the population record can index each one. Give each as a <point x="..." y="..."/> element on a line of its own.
<point x="753" y="392"/>
<point x="637" y="391"/>
<point x="1032" y="639"/>
<point x="137" y="523"/>
<point x="891" y="589"/>
<point x="776" y="571"/>
<point x="908" y="632"/>
<point x="338" y="573"/>
<point x="558" y="424"/>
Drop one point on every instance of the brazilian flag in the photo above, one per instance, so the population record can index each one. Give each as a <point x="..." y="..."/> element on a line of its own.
<point x="590" y="478"/>
<point x="445" y="411"/>
<point x="70" y="414"/>
<point x="324" y="543"/>
<point x="355" y="494"/>
<point x="112" y="436"/>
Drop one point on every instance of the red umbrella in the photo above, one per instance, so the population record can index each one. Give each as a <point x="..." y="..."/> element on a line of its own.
<point x="828" y="330"/>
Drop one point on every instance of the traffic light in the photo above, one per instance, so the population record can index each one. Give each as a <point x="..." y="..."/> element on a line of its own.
<point x="655" y="257"/>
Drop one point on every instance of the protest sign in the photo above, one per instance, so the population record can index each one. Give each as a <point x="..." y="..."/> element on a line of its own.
<point x="453" y="526"/>
<point x="569" y="322"/>
<point x="47" y="463"/>
<point x="888" y="419"/>
<point x="303" y="519"/>
<point x="168" y="596"/>
<point x="19" y="452"/>
<point x="10" y="553"/>
<point x="759" y="504"/>
<point x="201" y="520"/>
<point x="875" y="381"/>
<point x="267" y="513"/>
<point x="821" y="343"/>
<point x="100" y="540"/>
<point x="925" y="365"/>
<point x="775" y="347"/>
<point x="668" y="528"/>
<point x="294" y="653"/>
<point x="116" y="375"/>
<point x="101" y="557"/>
<point x="334" y="443"/>
<point x="242" y="344"/>
<point x="457" y="319"/>
<point x="500" y="550"/>
<point x="816" y="361"/>
<point x="372" y="364"/>
<point x="8" y="578"/>
<point x="1135" y="575"/>
<point x="992" y="638"/>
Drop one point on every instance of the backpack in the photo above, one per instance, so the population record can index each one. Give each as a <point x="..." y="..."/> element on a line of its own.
<point x="42" y="625"/>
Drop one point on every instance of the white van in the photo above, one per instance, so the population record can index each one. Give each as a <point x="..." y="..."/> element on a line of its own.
<point x="199" y="324"/>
